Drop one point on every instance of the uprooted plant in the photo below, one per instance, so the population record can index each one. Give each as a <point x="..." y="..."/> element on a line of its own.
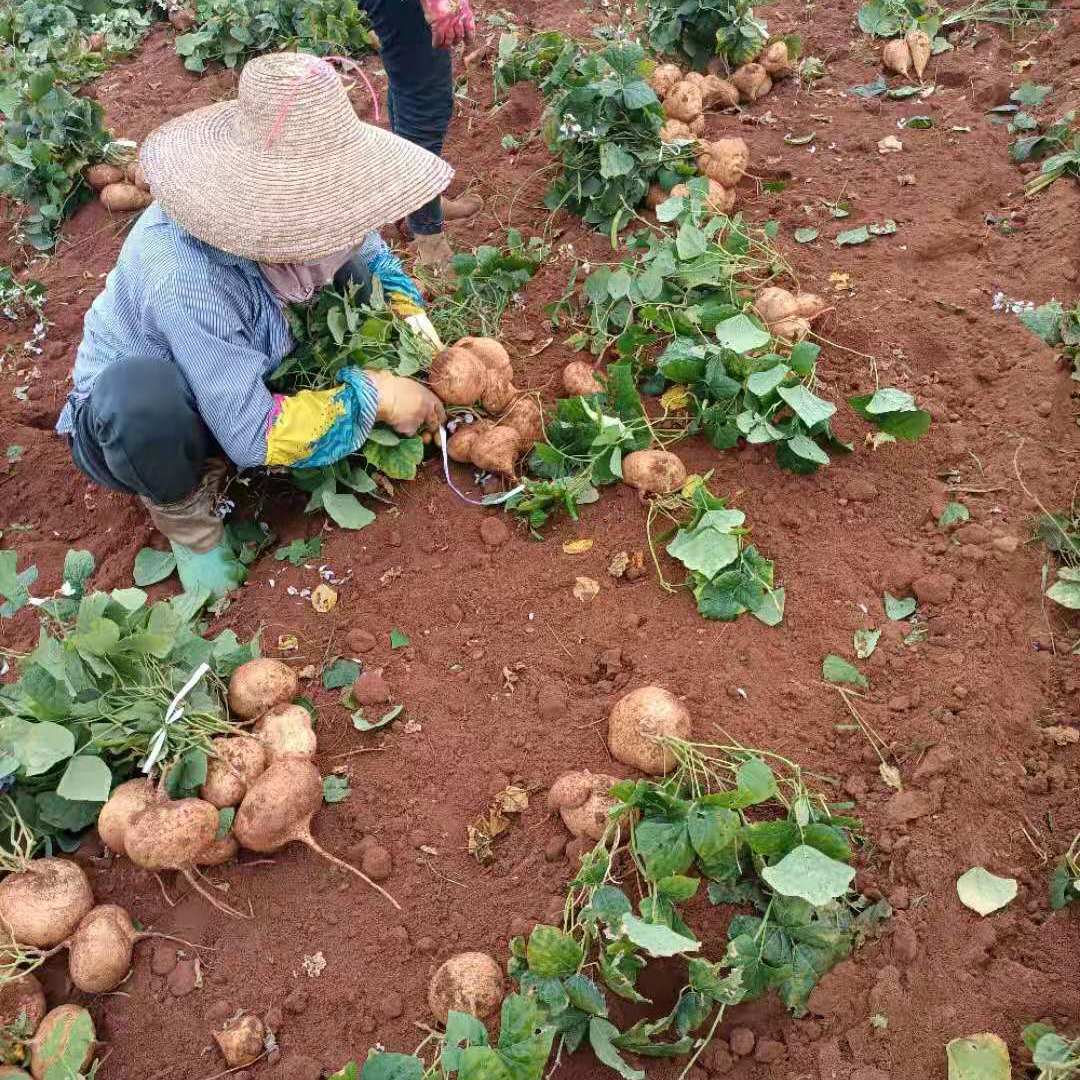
<point x="1060" y="535"/>
<point x="1056" y="1056"/>
<point x="1057" y="147"/>
<point x="702" y="29"/>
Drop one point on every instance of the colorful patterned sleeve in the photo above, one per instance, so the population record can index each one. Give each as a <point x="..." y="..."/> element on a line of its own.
<point x="401" y="291"/>
<point x="318" y="427"/>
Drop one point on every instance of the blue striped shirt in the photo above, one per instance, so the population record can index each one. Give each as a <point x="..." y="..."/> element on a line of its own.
<point x="172" y="297"/>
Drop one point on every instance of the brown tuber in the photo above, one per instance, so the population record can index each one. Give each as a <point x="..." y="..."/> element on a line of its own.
<point x="719" y="200"/>
<point x="133" y="174"/>
<point x="235" y="763"/>
<point x="497" y="450"/>
<point x="717" y="93"/>
<point x="22" y="997"/>
<point x="459" y="445"/>
<point x="100" y="176"/>
<point x="471" y="982"/>
<point x="921" y="48"/>
<point x="653" y="472"/>
<point x="579" y="376"/>
<point x="896" y="57"/>
<point x="42" y="904"/>
<point x="639" y="721"/>
<point x="100" y="950"/>
<point x="285" y="731"/>
<point x="123" y="197"/>
<point x="664" y="78"/>
<point x="675" y="129"/>
<point x="219" y="851"/>
<point x="128" y="799"/>
<point x="787" y="316"/>
<point x="583" y="802"/>
<point x="259" y="685"/>
<point x="777" y="61"/>
<point x="683" y="102"/>
<point x="752" y="81"/>
<point x="526" y="418"/>
<point x="724" y="160"/>
<point x="458" y="376"/>
<point x="62" y="1029"/>
<point x="241" y="1040"/>
<point x="491" y="354"/>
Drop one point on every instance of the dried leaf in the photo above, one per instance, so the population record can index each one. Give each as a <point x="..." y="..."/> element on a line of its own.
<point x="619" y="562"/>
<point x="1063" y="736"/>
<point x="512" y="799"/>
<point x="585" y="588"/>
<point x="889" y="145"/>
<point x="323" y="598"/>
<point x="891" y="775"/>
<point x="675" y="398"/>
<point x="840" y="282"/>
<point x="577" y="547"/>
<point x="288" y="643"/>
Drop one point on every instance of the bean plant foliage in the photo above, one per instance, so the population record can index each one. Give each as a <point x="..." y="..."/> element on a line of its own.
<point x="731" y="827"/>
<point x="890" y="18"/>
<point x="698" y="30"/>
<point x="91" y="698"/>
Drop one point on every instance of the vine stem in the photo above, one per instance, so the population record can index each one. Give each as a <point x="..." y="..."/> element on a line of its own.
<point x="705" y="1042"/>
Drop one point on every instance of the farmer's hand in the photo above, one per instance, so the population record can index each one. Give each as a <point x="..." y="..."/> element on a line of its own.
<point x="451" y="21"/>
<point x="406" y="405"/>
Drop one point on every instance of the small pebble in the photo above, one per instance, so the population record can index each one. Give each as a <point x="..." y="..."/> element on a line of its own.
<point x="742" y="1041"/>
<point x="377" y="863"/>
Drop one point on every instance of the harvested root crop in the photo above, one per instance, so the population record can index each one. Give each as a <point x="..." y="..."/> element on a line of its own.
<point x="717" y="93"/>
<point x="683" y="102"/>
<point x="724" y="160"/>
<point x="237" y="760"/>
<point x="64" y="1031"/>
<point x="498" y="394"/>
<point x="278" y="808"/>
<point x="664" y="78"/>
<point x="497" y="450"/>
<point x="259" y="685"/>
<point x="133" y="174"/>
<point x="719" y="200"/>
<point x="100" y="950"/>
<point x="638" y="723"/>
<point x="920" y="47"/>
<point x="675" y="129"/>
<point x="127" y="800"/>
<point x="788" y="317"/>
<point x="791" y="330"/>
<point x="22" y="997"/>
<point x="752" y="81"/>
<point x="102" y="175"/>
<point x="896" y="57"/>
<point x="491" y="354"/>
<point x="653" y="472"/>
<point x="43" y="901"/>
<point x="221" y="850"/>
<point x="777" y="61"/>
<point x="471" y="982"/>
<point x="579" y="376"/>
<point x="583" y="802"/>
<point x="458" y="376"/>
<point x="526" y="418"/>
<point x="285" y="731"/>
<point x="124" y="197"/>
<point x="459" y="445"/>
<point x="241" y="1040"/>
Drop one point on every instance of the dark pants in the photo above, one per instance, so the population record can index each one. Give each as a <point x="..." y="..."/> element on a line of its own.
<point x="421" y="96"/>
<point x="139" y="432"/>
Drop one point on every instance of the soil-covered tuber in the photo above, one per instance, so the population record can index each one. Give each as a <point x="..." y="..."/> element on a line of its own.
<point x="921" y="48"/>
<point x="241" y="1040"/>
<point x="896" y="57"/>
<point x="471" y="982"/>
<point x="497" y="450"/>
<point x="42" y="904"/>
<point x="259" y="685"/>
<point x="664" y="78"/>
<point x="102" y="175"/>
<point x="724" y="160"/>
<point x="458" y="376"/>
<point x="64" y="1029"/>
<point x="583" y="802"/>
<point x="22" y="997"/>
<point x="653" y="472"/>
<point x="122" y="196"/>
<point x="526" y="418"/>
<point x="717" y="93"/>
<point x="777" y="61"/>
<point x="285" y="731"/>
<point x="127" y="800"/>
<point x="236" y="762"/>
<point x="638" y="723"/>
<point x="752" y="81"/>
<point x="579" y="376"/>
<point x="683" y="102"/>
<point x="100" y="950"/>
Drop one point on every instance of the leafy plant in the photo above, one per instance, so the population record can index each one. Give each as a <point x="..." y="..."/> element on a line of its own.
<point x="1060" y="534"/>
<point x="894" y="412"/>
<point x="18" y="298"/>
<point x="90" y="703"/>
<point x="701" y="29"/>
<point x="889" y="18"/>
<point x="1055" y="1056"/>
<point x="1058" y="148"/>
<point x="1059" y="327"/>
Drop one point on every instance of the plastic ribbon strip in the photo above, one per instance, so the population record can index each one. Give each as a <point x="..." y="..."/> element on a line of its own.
<point x="172" y="714"/>
<point x="487" y="500"/>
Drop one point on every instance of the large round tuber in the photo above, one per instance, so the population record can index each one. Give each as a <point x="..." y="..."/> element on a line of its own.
<point x="458" y="377"/>
<point x="42" y="904"/>
<point x="921" y="48"/>
<point x="653" y="472"/>
<point x="127" y="800"/>
<point x="497" y="450"/>
<point x="100" y="950"/>
<point x="491" y="354"/>
<point x="123" y="197"/>
<point x="752" y="81"/>
<point x="471" y="982"/>
<point x="671" y="130"/>
<point x="579" y="376"/>
<point x="459" y="445"/>
<point x="526" y="418"/>
<point x="638" y="721"/>
<point x="286" y="731"/>
<point x="717" y="93"/>
<point x="792" y="329"/>
<point x="236" y="762"/>
<point x="22" y="998"/>
<point x="664" y="78"/>
<point x="219" y="851"/>
<point x="683" y="102"/>
<point x="63" y="1045"/>
<point x="170" y="834"/>
<point x="583" y="802"/>
<point x="896" y="57"/>
<point x="774" y="304"/>
<point x="498" y="394"/>
<point x="724" y="160"/>
<point x="101" y="175"/>
<point x="259" y="685"/>
<point x="777" y="61"/>
<point x="241" y="1040"/>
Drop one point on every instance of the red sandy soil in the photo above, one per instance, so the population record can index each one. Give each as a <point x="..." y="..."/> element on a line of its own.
<point x="510" y="678"/>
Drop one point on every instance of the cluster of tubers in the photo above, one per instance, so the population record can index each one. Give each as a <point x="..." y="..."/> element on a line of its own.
<point x="49" y="1035"/>
<point x="478" y="370"/>
<point x="120" y="188"/>
<point x="788" y="316"/>
<point x="912" y="51"/>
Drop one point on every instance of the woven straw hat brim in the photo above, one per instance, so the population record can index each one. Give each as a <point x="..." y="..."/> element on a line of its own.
<point x="261" y="205"/>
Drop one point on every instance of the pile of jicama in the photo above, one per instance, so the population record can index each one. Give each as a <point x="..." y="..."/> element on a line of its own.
<point x="119" y="179"/>
<point x="912" y="51"/>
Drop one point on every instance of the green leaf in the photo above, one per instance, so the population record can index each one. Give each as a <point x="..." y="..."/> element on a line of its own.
<point x="690" y="241"/>
<point x="618" y="284"/>
<point x="86" y="779"/>
<point x="585" y="995"/>
<point x="398" y="639"/>
<point x="762" y="383"/>
<point x="1031" y="95"/>
<point x="552" y="953"/>
<point x="14" y="585"/>
<point x="335" y="789"/>
<point x="299" y="551"/>
<point x="41" y="746"/>
<point x="866" y="642"/>
<point x="803" y="447"/>
<point x="346" y="510"/>
<point x="187" y="775"/>
<point x="226" y="817"/>
<point x="809" y="875"/>
<point x="771" y="609"/>
<point x="361" y="724"/>
<point x="984" y="892"/>
<point x="152" y="566"/>
<point x="663" y="846"/>
<point x="978" y="1057"/>
<point x="340" y="673"/>
<point x="382" y="1065"/>
<point x="1066" y="590"/>
<point x="756" y="783"/>
<point x="71" y="817"/>
<point x="704" y="550"/>
<point x="808" y="407"/>
<point x="399" y="462"/>
<point x="805" y="236"/>
<point x="601" y="1033"/>
<point x="955" y="513"/>
<point x="836" y="669"/>
<point x="615" y="161"/>
<point x="78" y="567"/>
<point x="742" y="335"/>
<point x="899" y="608"/>
<point x="657" y="939"/>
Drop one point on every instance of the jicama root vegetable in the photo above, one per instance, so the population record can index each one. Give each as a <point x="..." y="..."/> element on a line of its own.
<point x="664" y="78"/>
<point x="653" y="471"/>
<point x="458" y="377"/>
<point x="259" y="685"/>
<point x="579" y="376"/>
<point x="675" y="129"/>
<point x="133" y="174"/>
<point x="788" y="317"/>
<point x="100" y="950"/>
<point x="777" y="61"/>
<point x="719" y="200"/>
<point x="22" y="997"/>
<point x="459" y="445"/>
<point x="583" y="802"/>
<point x="124" y="196"/>
<point x="470" y="982"/>
<point x="920" y="47"/>
<point x="792" y="329"/>
<point x="498" y="394"/>
<point x="63" y="1029"/>
<point x="236" y="762"/>
<point x="491" y="353"/>
<point x="278" y="808"/>
<point x="526" y="418"/>
<point x="752" y="81"/>
<point x="724" y="160"/>
<point x="43" y="901"/>
<point x="497" y="450"/>
<point x="102" y="175"/>
<point x="285" y="731"/>
<point x="241" y="1040"/>
<point x="683" y="102"/>
<point x="639" y="721"/>
<point x="181" y="19"/>
<point x="171" y="835"/>
<point x="220" y="851"/>
<point x="896" y="57"/>
<point x="127" y="800"/>
<point x="717" y="93"/>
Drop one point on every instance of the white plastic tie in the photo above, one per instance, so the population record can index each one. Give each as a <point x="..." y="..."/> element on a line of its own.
<point x="487" y="500"/>
<point x="172" y="714"/>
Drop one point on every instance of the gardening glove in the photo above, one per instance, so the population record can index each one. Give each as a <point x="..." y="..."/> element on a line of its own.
<point x="451" y="21"/>
<point x="217" y="571"/>
<point x="405" y="404"/>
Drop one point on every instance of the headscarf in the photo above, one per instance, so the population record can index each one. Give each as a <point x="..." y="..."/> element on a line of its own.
<point x="296" y="283"/>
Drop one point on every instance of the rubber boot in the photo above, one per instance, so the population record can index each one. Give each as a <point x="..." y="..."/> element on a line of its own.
<point x="434" y="252"/>
<point x="469" y="205"/>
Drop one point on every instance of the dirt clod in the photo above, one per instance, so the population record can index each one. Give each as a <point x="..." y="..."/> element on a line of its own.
<point x="551" y="702"/>
<point x="182" y="979"/>
<point x="163" y="957"/>
<point x="907" y="806"/>
<point x="769" y="1051"/>
<point x="377" y="863"/>
<point x="494" y="532"/>
<point x="371" y="689"/>
<point x="359" y="641"/>
<point x="742" y="1040"/>
<point x="936" y="589"/>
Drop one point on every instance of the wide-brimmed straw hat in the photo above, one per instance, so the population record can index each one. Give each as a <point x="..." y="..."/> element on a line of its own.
<point x="287" y="172"/>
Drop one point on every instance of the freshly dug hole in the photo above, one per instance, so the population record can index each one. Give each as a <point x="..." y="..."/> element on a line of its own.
<point x="653" y="472"/>
<point x="65" y="1031"/>
<point x="285" y="731"/>
<point x="471" y="982"/>
<point x="100" y="950"/>
<point x="42" y="905"/>
<point x="579" y="376"/>
<point x="278" y="809"/>
<point x="638" y="720"/>
<point x="259" y="685"/>
<point x="22" y="996"/>
<point x="458" y="377"/>
<point x="241" y="1040"/>
<point x="127" y="800"/>
<point x="238" y="760"/>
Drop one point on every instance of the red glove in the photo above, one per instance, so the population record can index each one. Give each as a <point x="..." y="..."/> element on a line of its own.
<point x="451" y="21"/>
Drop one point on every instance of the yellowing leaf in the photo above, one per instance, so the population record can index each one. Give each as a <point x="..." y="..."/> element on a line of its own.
<point x="577" y="547"/>
<point x="840" y="282"/>
<point x="891" y="775"/>
<point x="675" y="398"/>
<point x="288" y="643"/>
<point x="691" y="484"/>
<point x="585" y="588"/>
<point x="323" y="598"/>
<point x="512" y="799"/>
